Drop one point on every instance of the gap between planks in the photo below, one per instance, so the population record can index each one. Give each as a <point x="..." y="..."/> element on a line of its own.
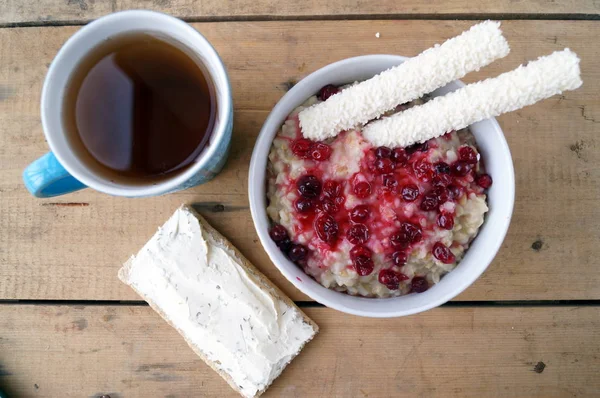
<point x="351" y="17"/>
<point x="314" y="304"/>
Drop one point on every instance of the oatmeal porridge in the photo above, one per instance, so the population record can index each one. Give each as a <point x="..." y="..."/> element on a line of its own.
<point x="374" y="221"/>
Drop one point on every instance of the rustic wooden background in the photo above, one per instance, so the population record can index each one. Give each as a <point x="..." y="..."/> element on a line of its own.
<point x="530" y="326"/>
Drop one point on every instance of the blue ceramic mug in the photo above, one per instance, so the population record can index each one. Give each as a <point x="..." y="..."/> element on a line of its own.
<point x="63" y="170"/>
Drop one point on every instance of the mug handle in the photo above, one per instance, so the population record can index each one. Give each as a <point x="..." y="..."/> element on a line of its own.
<point x="46" y="177"/>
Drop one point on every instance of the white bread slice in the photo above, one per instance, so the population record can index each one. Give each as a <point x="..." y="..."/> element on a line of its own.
<point x="230" y="314"/>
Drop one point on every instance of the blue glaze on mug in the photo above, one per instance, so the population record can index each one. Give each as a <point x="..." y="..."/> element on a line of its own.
<point x="46" y="177"/>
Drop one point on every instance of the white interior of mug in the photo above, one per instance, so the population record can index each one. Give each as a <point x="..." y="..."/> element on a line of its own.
<point x="80" y="44"/>
<point x="498" y="162"/>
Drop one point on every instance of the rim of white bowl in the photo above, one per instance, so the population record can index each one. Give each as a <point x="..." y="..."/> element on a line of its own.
<point x="386" y="307"/>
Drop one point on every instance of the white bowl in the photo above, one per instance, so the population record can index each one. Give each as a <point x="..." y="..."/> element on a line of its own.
<point x="498" y="162"/>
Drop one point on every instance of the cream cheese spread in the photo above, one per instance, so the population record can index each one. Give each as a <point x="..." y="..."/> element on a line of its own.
<point x="208" y="295"/>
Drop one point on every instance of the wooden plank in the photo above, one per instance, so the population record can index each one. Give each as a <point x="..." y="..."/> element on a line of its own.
<point x="50" y="251"/>
<point x="78" y="11"/>
<point x="59" y="351"/>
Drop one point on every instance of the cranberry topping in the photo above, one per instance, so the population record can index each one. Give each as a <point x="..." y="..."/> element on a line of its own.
<point x="442" y="168"/>
<point x="360" y="213"/>
<point x="358" y="233"/>
<point x="422" y="147"/>
<point x="285" y="245"/>
<point x="455" y="191"/>
<point x="384" y="166"/>
<point x="362" y="189"/>
<point x="304" y="205"/>
<point x="301" y="148"/>
<point x="419" y="284"/>
<point x="467" y="155"/>
<point x="399" y="258"/>
<point x="390" y="182"/>
<point x="399" y="156"/>
<point x="422" y="169"/>
<point x="363" y="265"/>
<point x="298" y="253"/>
<point x="327" y="91"/>
<point x="461" y="168"/>
<point x="328" y="206"/>
<point x="484" y="181"/>
<point x="320" y="151"/>
<point x="309" y="186"/>
<point x="442" y="253"/>
<point x="442" y="180"/>
<point x="441" y="193"/>
<point x="383" y="152"/>
<point x="391" y="279"/>
<point x="445" y="221"/>
<point x="430" y="202"/>
<point x="359" y="251"/>
<point x="278" y="233"/>
<point x="410" y="192"/>
<point x="407" y="234"/>
<point x="332" y="189"/>
<point x="326" y="228"/>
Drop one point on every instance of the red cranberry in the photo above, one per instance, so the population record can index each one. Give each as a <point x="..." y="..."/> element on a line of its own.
<point x="332" y="189"/>
<point x="407" y="234"/>
<point x="358" y="233"/>
<point x="285" y="245"/>
<point x="309" y="186"/>
<point x="484" y="181"/>
<point x="383" y="152"/>
<point x="363" y="265"/>
<point x="362" y="189"/>
<point x="442" y="180"/>
<point x="390" y="182"/>
<point x="461" y="168"/>
<point x="278" y="233"/>
<point x="399" y="156"/>
<point x="391" y="279"/>
<point x="326" y="227"/>
<point x="339" y="200"/>
<point x="327" y="91"/>
<point x="320" y="152"/>
<point x="360" y="213"/>
<point x="411" y="231"/>
<point x="441" y="193"/>
<point x="455" y="191"/>
<point x="384" y="166"/>
<point x="298" y="253"/>
<point x="410" y="192"/>
<point x="442" y="168"/>
<point x="445" y="221"/>
<point x="419" y="284"/>
<point x="467" y="155"/>
<point x="429" y="202"/>
<point x="301" y="148"/>
<point x="442" y="253"/>
<point x="422" y="147"/>
<point x="399" y="258"/>
<point x="304" y="205"/>
<point x="328" y="206"/>
<point x="360" y="251"/>
<point x="422" y="169"/>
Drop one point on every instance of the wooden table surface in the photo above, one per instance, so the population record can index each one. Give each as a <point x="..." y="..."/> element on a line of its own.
<point x="529" y="327"/>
